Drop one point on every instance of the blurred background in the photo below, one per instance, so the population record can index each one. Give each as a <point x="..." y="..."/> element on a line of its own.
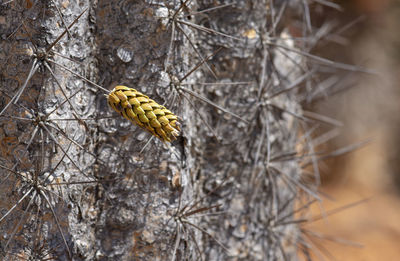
<point x="369" y="110"/>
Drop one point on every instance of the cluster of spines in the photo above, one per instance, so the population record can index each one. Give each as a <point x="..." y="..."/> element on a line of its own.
<point x="145" y="112"/>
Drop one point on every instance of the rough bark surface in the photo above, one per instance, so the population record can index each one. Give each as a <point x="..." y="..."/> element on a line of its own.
<point x="80" y="181"/>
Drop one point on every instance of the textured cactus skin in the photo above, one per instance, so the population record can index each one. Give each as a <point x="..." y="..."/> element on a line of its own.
<point x="145" y="112"/>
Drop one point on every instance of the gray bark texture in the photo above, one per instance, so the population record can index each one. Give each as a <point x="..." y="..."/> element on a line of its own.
<point x="80" y="182"/>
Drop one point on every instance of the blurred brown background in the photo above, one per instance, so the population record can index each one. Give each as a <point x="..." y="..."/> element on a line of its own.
<point x="369" y="111"/>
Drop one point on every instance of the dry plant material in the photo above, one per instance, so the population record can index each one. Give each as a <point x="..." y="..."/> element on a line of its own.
<point x="143" y="111"/>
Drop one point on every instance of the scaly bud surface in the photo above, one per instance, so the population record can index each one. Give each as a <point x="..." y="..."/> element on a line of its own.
<point x="143" y="111"/>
